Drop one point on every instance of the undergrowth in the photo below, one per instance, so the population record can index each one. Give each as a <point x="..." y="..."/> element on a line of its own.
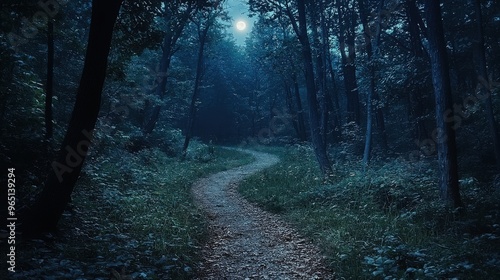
<point x="132" y="217"/>
<point x="387" y="223"/>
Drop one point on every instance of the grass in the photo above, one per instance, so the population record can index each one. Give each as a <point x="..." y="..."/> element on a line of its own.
<point x="132" y="217"/>
<point x="387" y="223"/>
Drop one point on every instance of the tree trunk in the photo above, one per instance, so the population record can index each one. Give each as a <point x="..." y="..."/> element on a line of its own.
<point x="320" y="83"/>
<point x="161" y="85"/>
<point x="347" y="26"/>
<point x="446" y="145"/>
<point x="334" y="100"/>
<point x="413" y="17"/>
<point x="314" y="118"/>
<point x="416" y="28"/>
<point x="196" y="90"/>
<point x="48" y="209"/>
<point x="368" y="135"/>
<point x="333" y="122"/>
<point x="320" y="53"/>
<point x="300" y="111"/>
<point x="380" y="118"/>
<point x="371" y="43"/>
<point x="484" y="83"/>
<point x="379" y="113"/>
<point x="291" y="108"/>
<point x="49" y="87"/>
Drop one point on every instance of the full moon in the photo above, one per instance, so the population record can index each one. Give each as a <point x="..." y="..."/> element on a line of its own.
<point x="241" y="25"/>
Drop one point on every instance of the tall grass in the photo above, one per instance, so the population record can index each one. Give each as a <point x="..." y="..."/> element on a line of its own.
<point x="387" y="223"/>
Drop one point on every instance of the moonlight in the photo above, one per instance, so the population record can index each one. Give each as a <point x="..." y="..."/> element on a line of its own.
<point x="241" y="25"/>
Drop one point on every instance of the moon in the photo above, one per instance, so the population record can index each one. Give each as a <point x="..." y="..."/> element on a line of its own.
<point x="241" y="25"/>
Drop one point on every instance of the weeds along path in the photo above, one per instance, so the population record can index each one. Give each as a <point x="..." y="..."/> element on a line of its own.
<point x="246" y="242"/>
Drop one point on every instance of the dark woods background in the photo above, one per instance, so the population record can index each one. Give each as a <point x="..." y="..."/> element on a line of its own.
<point x="243" y="87"/>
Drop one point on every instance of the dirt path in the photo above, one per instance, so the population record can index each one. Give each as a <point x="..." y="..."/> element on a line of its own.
<point x="246" y="242"/>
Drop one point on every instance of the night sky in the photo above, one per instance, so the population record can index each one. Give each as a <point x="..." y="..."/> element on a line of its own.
<point x="238" y="11"/>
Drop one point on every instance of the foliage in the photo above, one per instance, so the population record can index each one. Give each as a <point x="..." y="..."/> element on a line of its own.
<point x="386" y="223"/>
<point x="132" y="217"/>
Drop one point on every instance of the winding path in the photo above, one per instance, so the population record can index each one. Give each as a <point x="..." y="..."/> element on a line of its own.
<point x="246" y="242"/>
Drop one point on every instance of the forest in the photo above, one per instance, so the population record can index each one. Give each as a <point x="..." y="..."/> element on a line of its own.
<point x="250" y="139"/>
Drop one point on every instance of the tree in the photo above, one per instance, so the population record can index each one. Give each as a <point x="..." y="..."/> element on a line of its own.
<point x="446" y="143"/>
<point x="203" y="20"/>
<point x="47" y="210"/>
<point x="297" y="17"/>
<point x="176" y="16"/>
<point x="416" y="28"/>
<point x="484" y="82"/>
<point x="294" y="104"/>
<point x="372" y="40"/>
<point x="347" y="20"/>
<point x="314" y="118"/>
<point x="329" y="121"/>
<point x="274" y="51"/>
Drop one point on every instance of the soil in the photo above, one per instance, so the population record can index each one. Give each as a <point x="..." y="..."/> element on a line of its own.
<point x="246" y="242"/>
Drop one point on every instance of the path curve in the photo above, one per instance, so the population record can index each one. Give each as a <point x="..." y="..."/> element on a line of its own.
<point x="246" y="242"/>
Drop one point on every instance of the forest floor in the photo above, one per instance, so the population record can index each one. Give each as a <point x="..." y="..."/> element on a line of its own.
<point x="132" y="217"/>
<point x="386" y="222"/>
<point x="246" y="242"/>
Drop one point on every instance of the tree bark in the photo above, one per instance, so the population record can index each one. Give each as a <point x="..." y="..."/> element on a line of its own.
<point x="49" y="87"/>
<point x="446" y="143"/>
<point x="48" y="209"/>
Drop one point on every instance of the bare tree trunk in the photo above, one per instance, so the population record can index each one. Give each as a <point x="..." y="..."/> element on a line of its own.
<point x="48" y="209"/>
<point x="446" y="145"/>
